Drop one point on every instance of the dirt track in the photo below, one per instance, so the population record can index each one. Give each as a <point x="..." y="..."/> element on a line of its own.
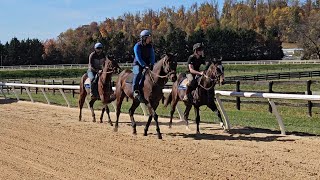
<point x="39" y="141"/>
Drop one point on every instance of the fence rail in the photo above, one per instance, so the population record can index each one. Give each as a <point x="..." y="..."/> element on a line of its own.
<point x="269" y="96"/>
<point x="75" y="66"/>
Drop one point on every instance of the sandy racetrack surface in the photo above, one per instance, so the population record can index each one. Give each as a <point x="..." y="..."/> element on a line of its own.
<point x="39" y="141"/>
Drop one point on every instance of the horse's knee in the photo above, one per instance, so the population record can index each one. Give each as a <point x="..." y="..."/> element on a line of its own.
<point x="155" y="116"/>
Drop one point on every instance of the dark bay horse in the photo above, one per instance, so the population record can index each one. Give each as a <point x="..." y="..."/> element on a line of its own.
<point x="152" y="90"/>
<point x="104" y="88"/>
<point x="205" y="88"/>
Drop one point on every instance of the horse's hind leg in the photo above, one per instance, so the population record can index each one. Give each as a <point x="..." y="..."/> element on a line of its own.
<point x="82" y="98"/>
<point x="196" y="110"/>
<point x="118" y="109"/>
<point x="186" y="115"/>
<point x="102" y="112"/>
<point x="133" y="107"/>
<point x="214" y="108"/>
<point x="108" y="113"/>
<point x="173" y="108"/>
<point x="92" y="110"/>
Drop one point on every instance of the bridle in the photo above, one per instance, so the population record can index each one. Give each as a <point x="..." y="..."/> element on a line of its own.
<point x="211" y="80"/>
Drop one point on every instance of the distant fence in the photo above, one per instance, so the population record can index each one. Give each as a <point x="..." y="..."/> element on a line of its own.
<point x="268" y="96"/>
<point x="274" y="76"/>
<point x="74" y="66"/>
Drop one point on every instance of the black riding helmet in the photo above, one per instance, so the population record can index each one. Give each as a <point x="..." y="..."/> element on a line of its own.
<point x="198" y="46"/>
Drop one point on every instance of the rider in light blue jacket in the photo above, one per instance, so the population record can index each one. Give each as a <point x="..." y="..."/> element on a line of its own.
<point x="144" y="60"/>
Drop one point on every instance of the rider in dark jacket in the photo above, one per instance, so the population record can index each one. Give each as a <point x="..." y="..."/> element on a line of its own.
<point x="96" y="62"/>
<point x="194" y="62"/>
<point x="144" y="60"/>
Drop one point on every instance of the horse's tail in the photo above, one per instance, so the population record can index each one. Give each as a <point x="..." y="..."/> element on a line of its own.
<point x="168" y="100"/>
<point x="83" y="92"/>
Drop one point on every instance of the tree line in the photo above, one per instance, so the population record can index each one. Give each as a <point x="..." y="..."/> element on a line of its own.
<point x="243" y="30"/>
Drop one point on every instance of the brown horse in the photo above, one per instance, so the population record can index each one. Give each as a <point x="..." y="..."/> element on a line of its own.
<point x="152" y="90"/>
<point x="203" y="94"/>
<point x="104" y="89"/>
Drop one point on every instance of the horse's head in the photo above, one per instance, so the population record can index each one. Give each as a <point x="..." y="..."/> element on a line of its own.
<point x="111" y="66"/>
<point x="170" y="66"/>
<point x="216" y="71"/>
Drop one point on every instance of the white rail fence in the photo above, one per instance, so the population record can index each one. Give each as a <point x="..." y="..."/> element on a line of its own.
<point x="269" y="96"/>
<point x="77" y="66"/>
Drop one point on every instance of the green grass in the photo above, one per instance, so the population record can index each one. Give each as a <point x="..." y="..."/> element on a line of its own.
<point x="295" y="118"/>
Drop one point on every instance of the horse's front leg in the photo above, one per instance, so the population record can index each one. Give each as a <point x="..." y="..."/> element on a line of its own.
<point x="214" y="108"/>
<point x="197" y="114"/>
<point x="102" y="112"/>
<point x="92" y="110"/>
<point x="155" y="116"/>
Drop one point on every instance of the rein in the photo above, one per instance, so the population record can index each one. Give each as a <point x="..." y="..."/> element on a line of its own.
<point x="211" y="80"/>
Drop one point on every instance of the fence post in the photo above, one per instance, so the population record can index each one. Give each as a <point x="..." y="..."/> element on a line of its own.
<point x="270" y="91"/>
<point x="73" y="89"/>
<point x="21" y="88"/>
<point x="62" y="84"/>
<point x="238" y="98"/>
<point x="309" y="92"/>
<point x="54" y="91"/>
<point x="36" y="87"/>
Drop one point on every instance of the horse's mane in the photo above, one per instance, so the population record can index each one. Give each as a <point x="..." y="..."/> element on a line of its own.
<point x="212" y="68"/>
<point x="160" y="62"/>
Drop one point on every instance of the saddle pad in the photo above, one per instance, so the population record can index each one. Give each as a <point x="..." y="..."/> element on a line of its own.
<point x="183" y="84"/>
<point x="87" y="83"/>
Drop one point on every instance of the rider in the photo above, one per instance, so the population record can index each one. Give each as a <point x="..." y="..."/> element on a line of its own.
<point x="194" y="62"/>
<point x="144" y="60"/>
<point x="96" y="62"/>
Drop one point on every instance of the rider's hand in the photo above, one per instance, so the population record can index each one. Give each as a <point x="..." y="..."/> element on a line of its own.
<point x="100" y="71"/>
<point x="201" y="73"/>
<point x="146" y="67"/>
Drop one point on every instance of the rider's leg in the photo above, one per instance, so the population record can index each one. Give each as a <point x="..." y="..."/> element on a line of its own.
<point x="91" y="76"/>
<point x="188" y="95"/>
<point x="136" y="79"/>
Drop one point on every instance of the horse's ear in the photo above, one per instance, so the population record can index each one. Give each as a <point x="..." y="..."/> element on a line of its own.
<point x="163" y="55"/>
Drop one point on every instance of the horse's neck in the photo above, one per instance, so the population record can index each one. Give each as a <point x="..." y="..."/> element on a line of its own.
<point x="105" y="77"/>
<point x="156" y="72"/>
<point x="206" y="81"/>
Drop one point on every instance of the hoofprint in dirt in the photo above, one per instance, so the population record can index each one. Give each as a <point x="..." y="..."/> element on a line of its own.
<point x="39" y="141"/>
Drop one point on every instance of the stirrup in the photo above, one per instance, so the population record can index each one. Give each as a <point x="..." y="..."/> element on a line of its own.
<point x="136" y="93"/>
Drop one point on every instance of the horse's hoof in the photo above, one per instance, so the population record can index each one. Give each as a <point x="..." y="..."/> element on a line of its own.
<point x="101" y="121"/>
<point x="134" y="133"/>
<point x="145" y="134"/>
<point x="198" y="132"/>
<point x="110" y="122"/>
<point x="170" y="126"/>
<point x="159" y="136"/>
<point x="115" y="129"/>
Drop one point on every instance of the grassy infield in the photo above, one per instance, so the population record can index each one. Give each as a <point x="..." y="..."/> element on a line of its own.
<point x="295" y="118"/>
